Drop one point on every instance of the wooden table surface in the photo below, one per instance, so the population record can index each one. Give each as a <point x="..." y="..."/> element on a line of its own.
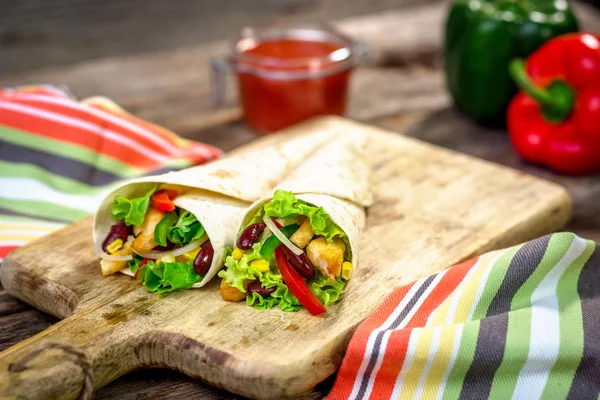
<point x="401" y="89"/>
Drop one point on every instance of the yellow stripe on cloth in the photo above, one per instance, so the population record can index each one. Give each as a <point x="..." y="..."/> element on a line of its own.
<point x="447" y="348"/>
<point x="467" y="298"/>
<point x="420" y="354"/>
<point x="29" y="227"/>
<point x="8" y="237"/>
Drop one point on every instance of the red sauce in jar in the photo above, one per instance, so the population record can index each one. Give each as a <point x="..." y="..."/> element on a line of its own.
<point x="285" y="81"/>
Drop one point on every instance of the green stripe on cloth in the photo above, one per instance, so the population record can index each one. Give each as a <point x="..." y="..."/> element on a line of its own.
<point x="12" y="219"/>
<point x="178" y="163"/>
<point x="494" y="282"/>
<point x="64" y="184"/>
<point x="466" y="352"/>
<point x="519" y="320"/>
<point x="68" y="150"/>
<point x="571" y="329"/>
<point x="44" y="209"/>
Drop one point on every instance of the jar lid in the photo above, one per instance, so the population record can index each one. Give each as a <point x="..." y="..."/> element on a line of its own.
<point x="340" y="54"/>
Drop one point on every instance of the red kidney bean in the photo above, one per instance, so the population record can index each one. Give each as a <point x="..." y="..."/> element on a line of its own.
<point x="250" y="235"/>
<point x="170" y="246"/>
<point x="118" y="231"/>
<point x="256" y="287"/>
<point x="204" y="259"/>
<point x="300" y="263"/>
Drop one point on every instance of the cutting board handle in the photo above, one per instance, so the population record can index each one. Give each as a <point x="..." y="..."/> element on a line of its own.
<point x="77" y="356"/>
<point x="64" y="362"/>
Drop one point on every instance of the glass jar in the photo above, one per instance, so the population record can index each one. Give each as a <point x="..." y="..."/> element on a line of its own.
<point x="288" y="75"/>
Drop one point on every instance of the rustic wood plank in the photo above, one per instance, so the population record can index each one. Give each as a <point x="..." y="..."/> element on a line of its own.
<point x="167" y="384"/>
<point x="10" y="305"/>
<point x="18" y="326"/>
<point x="37" y="33"/>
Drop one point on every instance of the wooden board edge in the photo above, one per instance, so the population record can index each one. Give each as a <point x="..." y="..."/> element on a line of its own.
<point x="21" y="283"/>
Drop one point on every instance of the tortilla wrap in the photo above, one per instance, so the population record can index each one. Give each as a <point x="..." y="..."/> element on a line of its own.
<point x="218" y="194"/>
<point x="335" y="177"/>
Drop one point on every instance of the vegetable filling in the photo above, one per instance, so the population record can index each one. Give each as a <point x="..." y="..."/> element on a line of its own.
<point x="291" y="255"/>
<point x="164" y="246"/>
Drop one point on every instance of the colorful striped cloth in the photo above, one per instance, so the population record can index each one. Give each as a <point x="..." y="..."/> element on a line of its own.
<point x="58" y="157"/>
<point x="520" y="323"/>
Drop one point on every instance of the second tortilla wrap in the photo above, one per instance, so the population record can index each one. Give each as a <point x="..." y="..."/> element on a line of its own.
<point x="334" y="180"/>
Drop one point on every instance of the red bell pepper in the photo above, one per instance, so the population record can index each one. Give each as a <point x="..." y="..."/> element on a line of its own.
<point x="298" y="287"/>
<point x="137" y="273"/>
<point x="555" y="120"/>
<point x="163" y="200"/>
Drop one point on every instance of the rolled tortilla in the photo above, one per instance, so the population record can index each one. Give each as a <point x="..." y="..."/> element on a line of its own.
<point x="218" y="193"/>
<point x="336" y="178"/>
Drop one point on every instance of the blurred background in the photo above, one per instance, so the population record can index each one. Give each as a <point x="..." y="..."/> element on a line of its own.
<point x="36" y="33"/>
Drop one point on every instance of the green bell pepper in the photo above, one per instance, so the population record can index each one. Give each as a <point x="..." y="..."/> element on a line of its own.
<point x="482" y="37"/>
<point x="272" y="242"/>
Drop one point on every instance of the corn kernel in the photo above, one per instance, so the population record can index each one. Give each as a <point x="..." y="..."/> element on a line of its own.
<point x="237" y="254"/>
<point x="169" y="258"/>
<point x="114" y="246"/>
<point x="191" y="255"/>
<point x="346" y="269"/>
<point x="261" y="265"/>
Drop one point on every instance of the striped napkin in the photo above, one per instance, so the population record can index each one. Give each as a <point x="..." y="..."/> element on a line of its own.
<point x="519" y="323"/>
<point x="58" y="157"/>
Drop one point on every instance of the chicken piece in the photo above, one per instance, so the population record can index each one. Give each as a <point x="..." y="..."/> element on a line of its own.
<point x="144" y="243"/>
<point x="303" y="235"/>
<point x="326" y="256"/>
<point x="230" y="293"/>
<point x="109" y="267"/>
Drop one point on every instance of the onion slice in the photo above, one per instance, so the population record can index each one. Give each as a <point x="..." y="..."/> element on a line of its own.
<point x="154" y="255"/>
<point x="282" y="238"/>
<point x="105" y="256"/>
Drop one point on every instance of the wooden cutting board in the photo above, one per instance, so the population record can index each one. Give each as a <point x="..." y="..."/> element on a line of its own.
<point x="433" y="208"/>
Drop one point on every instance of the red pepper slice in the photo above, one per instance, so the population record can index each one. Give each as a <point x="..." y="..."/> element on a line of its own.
<point x="163" y="200"/>
<point x="298" y="287"/>
<point x="144" y="262"/>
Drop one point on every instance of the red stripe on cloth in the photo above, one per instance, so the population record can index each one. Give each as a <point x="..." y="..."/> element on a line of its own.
<point x="74" y="135"/>
<point x="86" y="115"/>
<point x="40" y="90"/>
<point x="358" y="344"/>
<point x="398" y="341"/>
<point x="4" y="250"/>
<point x="397" y="345"/>
<point x="151" y="136"/>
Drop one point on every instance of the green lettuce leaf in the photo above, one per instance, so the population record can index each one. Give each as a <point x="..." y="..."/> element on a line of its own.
<point x="134" y="263"/>
<point x="162" y="228"/>
<point x="281" y="297"/>
<point x="132" y="211"/>
<point x="186" y="229"/>
<point x="236" y="272"/>
<point x="164" y="277"/>
<point x="325" y="290"/>
<point x="285" y="204"/>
